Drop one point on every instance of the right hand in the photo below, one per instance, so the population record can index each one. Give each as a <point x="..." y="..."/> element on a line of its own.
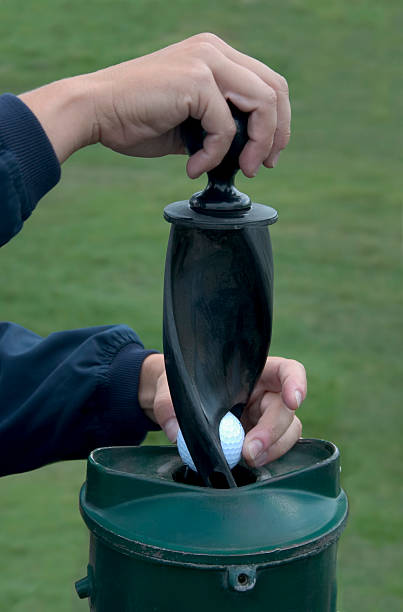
<point x="136" y="107"/>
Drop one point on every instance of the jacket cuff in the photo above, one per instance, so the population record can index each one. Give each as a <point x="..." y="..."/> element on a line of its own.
<point x="23" y="135"/>
<point x="123" y="419"/>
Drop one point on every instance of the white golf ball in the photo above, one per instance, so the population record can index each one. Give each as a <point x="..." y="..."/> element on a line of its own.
<point x="231" y="437"/>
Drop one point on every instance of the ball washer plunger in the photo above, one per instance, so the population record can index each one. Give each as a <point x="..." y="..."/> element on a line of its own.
<point x="164" y="537"/>
<point x="217" y="303"/>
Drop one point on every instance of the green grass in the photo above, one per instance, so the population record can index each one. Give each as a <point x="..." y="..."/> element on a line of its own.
<point x="93" y="253"/>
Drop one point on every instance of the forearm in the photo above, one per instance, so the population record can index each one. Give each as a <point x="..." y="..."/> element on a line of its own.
<point x="65" y="110"/>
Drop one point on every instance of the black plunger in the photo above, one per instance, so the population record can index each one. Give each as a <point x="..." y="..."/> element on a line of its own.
<point x="217" y="303"/>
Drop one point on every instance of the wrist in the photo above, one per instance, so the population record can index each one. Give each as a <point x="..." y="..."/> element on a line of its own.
<point x="65" y="110"/>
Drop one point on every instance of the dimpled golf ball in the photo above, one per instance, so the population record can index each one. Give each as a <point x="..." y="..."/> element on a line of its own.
<point x="231" y="437"/>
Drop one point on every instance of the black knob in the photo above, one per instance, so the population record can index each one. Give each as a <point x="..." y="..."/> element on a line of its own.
<point x="220" y="197"/>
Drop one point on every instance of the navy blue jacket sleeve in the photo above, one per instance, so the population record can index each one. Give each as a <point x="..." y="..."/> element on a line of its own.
<point x="29" y="167"/>
<point x="64" y="395"/>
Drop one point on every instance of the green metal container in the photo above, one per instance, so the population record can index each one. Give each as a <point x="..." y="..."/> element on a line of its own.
<point x="160" y="544"/>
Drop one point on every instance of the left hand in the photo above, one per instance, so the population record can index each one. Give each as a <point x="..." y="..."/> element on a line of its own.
<point x="268" y="418"/>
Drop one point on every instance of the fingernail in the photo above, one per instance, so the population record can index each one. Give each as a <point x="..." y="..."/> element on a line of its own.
<point x="298" y="397"/>
<point x="254" y="448"/>
<point x="275" y="160"/>
<point x="171" y="429"/>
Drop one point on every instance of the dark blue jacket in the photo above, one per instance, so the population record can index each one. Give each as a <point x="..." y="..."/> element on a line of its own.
<point x="64" y="395"/>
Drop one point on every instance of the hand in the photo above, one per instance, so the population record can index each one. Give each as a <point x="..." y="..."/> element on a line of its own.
<point x="154" y="396"/>
<point x="269" y="417"/>
<point x="136" y="107"/>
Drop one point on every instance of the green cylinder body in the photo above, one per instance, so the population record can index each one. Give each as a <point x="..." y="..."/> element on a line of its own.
<point x="160" y="544"/>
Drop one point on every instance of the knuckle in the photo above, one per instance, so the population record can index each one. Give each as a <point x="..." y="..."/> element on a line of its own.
<point x="283" y="141"/>
<point x="230" y="130"/>
<point x="265" y="402"/>
<point x="270" y="96"/>
<point x="295" y="364"/>
<point x="302" y="368"/>
<point x="282" y="85"/>
<point x="206" y="48"/>
<point x="219" y="143"/>
<point x="199" y="73"/>
<point x="215" y="157"/>
<point x="298" y="425"/>
<point x="208" y="37"/>
<point x="202" y="49"/>
<point x="162" y="402"/>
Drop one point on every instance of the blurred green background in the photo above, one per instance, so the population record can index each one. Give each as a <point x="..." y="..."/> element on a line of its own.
<point x="93" y="253"/>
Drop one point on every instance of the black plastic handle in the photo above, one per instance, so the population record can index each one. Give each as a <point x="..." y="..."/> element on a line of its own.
<point x="220" y="196"/>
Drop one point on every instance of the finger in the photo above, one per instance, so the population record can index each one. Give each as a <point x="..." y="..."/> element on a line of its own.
<point x="247" y="91"/>
<point x="282" y="445"/>
<point x="273" y="423"/>
<point x="209" y="105"/>
<point x="163" y="409"/>
<point x="270" y="77"/>
<point x="283" y="131"/>
<point x="282" y="375"/>
<point x="266" y="73"/>
<point x="262" y="128"/>
<point x="281" y="101"/>
<point x="250" y="94"/>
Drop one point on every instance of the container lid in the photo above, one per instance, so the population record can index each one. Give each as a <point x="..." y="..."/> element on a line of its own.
<point x="296" y="506"/>
<point x="181" y="213"/>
